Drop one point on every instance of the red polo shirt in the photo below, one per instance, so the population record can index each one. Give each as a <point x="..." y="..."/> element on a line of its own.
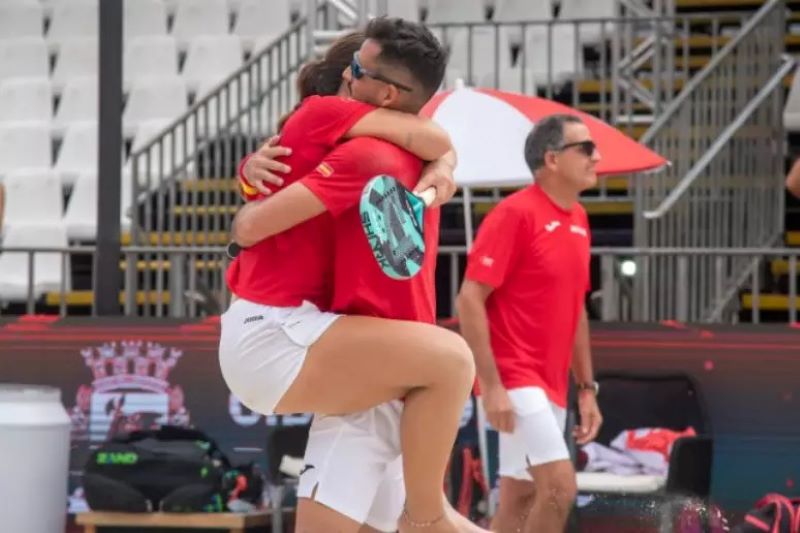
<point x="535" y="255"/>
<point x="296" y="265"/>
<point x="360" y="286"/>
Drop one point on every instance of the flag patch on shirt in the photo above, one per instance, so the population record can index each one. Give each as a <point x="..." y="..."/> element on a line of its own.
<point x="325" y="169"/>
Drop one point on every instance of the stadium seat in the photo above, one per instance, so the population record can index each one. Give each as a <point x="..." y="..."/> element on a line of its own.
<point x="298" y="7"/>
<point x="532" y="70"/>
<point x="71" y="20"/>
<point x="199" y="17"/>
<point x="25" y="57"/>
<point x="172" y="6"/>
<point x="406" y="9"/>
<point x="33" y="196"/>
<point x="78" y="153"/>
<point x="23" y="99"/>
<point x="211" y="59"/>
<point x="78" y="104"/>
<point x="77" y="58"/>
<point x="456" y="11"/>
<point x="229" y="99"/>
<point x="162" y="98"/>
<point x="560" y="41"/>
<point x="592" y="32"/>
<point x="80" y="220"/>
<point x="258" y="19"/>
<point x="144" y="18"/>
<point x="150" y="56"/>
<point x="278" y="102"/>
<point x="521" y="11"/>
<point x="24" y="145"/>
<point x="47" y="267"/>
<point x="476" y="49"/>
<point x="791" y="113"/>
<point x="147" y="132"/>
<point x="21" y="19"/>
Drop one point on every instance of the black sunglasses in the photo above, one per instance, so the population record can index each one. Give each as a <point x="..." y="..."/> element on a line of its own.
<point x="587" y="147"/>
<point x="359" y="72"/>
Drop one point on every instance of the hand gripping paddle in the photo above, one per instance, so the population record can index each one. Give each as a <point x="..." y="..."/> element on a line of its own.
<point x="392" y="218"/>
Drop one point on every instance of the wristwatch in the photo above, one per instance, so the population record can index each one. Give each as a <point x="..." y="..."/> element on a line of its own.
<point x="232" y="250"/>
<point x="592" y="386"/>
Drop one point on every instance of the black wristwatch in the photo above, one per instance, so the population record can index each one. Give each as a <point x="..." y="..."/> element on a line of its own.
<point x="232" y="250"/>
<point x="592" y="386"/>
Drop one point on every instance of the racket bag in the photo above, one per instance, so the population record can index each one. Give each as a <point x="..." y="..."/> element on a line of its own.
<point x="170" y="469"/>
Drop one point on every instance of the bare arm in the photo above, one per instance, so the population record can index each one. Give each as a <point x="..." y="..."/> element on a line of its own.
<point x="471" y="306"/>
<point x="793" y="179"/>
<point x="582" y="353"/>
<point x="439" y="175"/>
<point x="591" y="418"/>
<point x="420" y="136"/>
<point x="287" y="208"/>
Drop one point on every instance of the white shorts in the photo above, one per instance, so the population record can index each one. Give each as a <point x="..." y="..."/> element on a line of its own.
<point x="538" y="435"/>
<point x="262" y="349"/>
<point x="353" y="465"/>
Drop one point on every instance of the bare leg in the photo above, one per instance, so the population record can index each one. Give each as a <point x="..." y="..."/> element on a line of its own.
<point x="555" y="494"/>
<point x="313" y="517"/>
<point x="361" y="362"/>
<point x="516" y="499"/>
<point x="462" y="523"/>
<point x="369" y="529"/>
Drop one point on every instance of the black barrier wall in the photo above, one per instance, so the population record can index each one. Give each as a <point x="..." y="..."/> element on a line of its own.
<point x="121" y="374"/>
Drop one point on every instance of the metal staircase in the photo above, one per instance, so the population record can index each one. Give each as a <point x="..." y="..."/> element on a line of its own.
<point x="724" y="137"/>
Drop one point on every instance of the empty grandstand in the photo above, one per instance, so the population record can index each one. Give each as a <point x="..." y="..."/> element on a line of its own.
<point x="708" y="84"/>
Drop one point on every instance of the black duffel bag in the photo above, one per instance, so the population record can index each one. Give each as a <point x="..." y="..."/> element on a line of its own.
<point x="170" y="469"/>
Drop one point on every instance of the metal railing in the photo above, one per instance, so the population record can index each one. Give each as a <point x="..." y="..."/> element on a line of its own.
<point x="621" y="57"/>
<point x="626" y="54"/>
<point x="769" y="287"/>
<point x="182" y="190"/>
<point x="723" y="134"/>
<point x="182" y="181"/>
<point x="183" y="186"/>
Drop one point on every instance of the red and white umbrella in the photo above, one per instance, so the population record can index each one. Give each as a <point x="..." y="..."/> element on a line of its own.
<point x="488" y="129"/>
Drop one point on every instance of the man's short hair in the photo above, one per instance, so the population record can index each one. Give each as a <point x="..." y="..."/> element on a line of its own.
<point x="547" y="135"/>
<point x="413" y="47"/>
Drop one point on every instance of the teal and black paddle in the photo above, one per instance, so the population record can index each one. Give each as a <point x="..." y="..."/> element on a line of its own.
<point x="392" y="218"/>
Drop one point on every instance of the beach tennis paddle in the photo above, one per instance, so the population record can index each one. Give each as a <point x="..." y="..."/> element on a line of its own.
<point x="392" y="218"/>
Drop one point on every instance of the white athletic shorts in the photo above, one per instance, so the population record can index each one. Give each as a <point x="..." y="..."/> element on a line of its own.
<point x="262" y="348"/>
<point x="353" y="465"/>
<point x="538" y="435"/>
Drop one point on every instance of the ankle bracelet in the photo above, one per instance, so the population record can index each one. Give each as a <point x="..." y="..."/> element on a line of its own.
<point x="428" y="523"/>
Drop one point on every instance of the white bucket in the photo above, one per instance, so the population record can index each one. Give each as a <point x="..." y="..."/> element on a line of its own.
<point x="34" y="459"/>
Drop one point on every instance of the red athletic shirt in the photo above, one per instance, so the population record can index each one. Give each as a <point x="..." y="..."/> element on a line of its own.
<point x="361" y="287"/>
<point x="296" y="265"/>
<point x="535" y="255"/>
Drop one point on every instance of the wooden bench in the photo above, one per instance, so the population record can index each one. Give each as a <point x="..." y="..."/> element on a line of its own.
<point x="233" y="522"/>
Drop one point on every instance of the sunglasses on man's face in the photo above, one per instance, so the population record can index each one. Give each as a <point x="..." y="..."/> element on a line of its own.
<point x="359" y="72"/>
<point x="586" y="147"/>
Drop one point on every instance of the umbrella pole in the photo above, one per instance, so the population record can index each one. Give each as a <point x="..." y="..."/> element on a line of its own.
<point x="466" y="201"/>
<point x="480" y="414"/>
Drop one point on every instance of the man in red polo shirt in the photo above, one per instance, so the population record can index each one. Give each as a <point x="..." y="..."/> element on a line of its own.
<point x="521" y="309"/>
